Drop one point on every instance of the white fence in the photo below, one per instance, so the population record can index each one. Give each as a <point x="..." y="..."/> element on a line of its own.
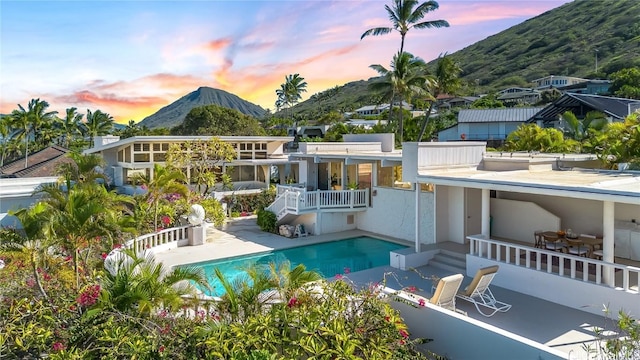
<point x="162" y="240"/>
<point x="583" y="269"/>
<point x="296" y="200"/>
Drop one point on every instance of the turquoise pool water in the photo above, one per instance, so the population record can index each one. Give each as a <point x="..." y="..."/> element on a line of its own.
<point x="329" y="258"/>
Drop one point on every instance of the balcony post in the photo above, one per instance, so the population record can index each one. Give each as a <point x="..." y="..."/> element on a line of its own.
<point x="608" y="251"/>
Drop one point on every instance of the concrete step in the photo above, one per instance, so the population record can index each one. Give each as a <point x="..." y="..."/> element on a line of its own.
<point x="447" y="261"/>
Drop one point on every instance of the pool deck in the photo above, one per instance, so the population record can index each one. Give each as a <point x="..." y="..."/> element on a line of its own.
<point x="557" y="326"/>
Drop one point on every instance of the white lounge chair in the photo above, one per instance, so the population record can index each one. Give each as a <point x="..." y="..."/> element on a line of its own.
<point x="445" y="292"/>
<point x="480" y="295"/>
<point x="300" y="231"/>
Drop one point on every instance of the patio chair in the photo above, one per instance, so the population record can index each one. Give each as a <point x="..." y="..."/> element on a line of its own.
<point x="445" y="292"/>
<point x="300" y="231"/>
<point x="480" y="295"/>
<point x="554" y="243"/>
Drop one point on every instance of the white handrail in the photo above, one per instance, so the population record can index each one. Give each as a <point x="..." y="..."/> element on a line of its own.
<point x="550" y="261"/>
<point x="148" y="241"/>
<point x="300" y="201"/>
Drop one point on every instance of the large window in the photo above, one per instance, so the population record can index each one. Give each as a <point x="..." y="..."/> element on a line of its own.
<point x="251" y="150"/>
<point x="391" y="176"/>
<point x="242" y="173"/>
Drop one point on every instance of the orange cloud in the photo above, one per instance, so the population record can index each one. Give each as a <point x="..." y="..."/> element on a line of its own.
<point x="218" y="44"/>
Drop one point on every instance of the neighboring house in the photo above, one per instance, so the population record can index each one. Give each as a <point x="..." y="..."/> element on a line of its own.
<point x="41" y="163"/>
<point x="257" y="157"/>
<point x="458" y="102"/>
<point x="518" y="95"/>
<point x="555" y="81"/>
<point x="615" y="109"/>
<point x="591" y="87"/>
<point x="373" y="110"/>
<point x="491" y="125"/>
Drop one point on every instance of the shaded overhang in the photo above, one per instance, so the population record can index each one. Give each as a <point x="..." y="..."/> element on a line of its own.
<point x="626" y="190"/>
<point x="385" y="160"/>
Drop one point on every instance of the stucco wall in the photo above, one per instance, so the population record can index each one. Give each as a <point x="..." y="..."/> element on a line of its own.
<point x="518" y="220"/>
<point x="582" y="216"/>
<point x="393" y="214"/>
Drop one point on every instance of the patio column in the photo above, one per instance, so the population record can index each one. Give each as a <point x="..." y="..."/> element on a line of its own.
<point x="417" y="212"/>
<point x="608" y="214"/>
<point x="485" y="215"/>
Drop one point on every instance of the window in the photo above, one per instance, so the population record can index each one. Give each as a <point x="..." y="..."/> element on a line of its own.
<point x="121" y="155"/>
<point x="142" y="157"/>
<point x="392" y="177"/>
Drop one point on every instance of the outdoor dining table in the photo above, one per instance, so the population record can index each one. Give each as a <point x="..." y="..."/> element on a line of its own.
<point x="591" y="242"/>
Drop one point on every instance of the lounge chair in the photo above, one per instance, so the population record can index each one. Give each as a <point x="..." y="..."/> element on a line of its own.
<point x="480" y="295"/>
<point x="445" y="292"/>
<point x="300" y="231"/>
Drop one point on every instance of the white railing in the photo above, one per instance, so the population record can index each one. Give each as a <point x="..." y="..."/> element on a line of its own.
<point x="163" y="237"/>
<point x="281" y="189"/>
<point x="556" y="263"/>
<point x="295" y="202"/>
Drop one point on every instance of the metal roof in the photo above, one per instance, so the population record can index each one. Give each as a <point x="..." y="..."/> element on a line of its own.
<point x="580" y="104"/>
<point x="516" y="114"/>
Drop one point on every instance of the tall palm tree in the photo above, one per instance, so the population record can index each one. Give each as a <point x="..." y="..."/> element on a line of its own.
<point x="5" y="133"/>
<point x="404" y="17"/>
<point x="98" y="123"/>
<point x="21" y="121"/>
<point x="41" y="121"/>
<point x="290" y="91"/>
<point x="406" y="77"/>
<point x="446" y="81"/>
<point x="70" y="126"/>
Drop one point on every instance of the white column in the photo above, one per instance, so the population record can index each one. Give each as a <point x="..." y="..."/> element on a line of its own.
<point x="417" y="211"/>
<point x="608" y="215"/>
<point x="485" y="215"/>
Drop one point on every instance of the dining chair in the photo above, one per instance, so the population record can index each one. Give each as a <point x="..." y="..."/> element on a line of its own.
<point x="577" y="247"/>
<point x="539" y="239"/>
<point x="554" y="243"/>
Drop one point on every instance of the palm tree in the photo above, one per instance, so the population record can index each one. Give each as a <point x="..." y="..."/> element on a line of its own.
<point x="406" y="77"/>
<point x="290" y="91"/>
<point x="5" y="132"/>
<point x="404" y="17"/>
<point x="447" y="81"/>
<point x="98" y="123"/>
<point x="41" y="121"/>
<point x="139" y="283"/>
<point x="165" y="181"/>
<point x="32" y="239"/>
<point x="70" y="126"/>
<point x="20" y="120"/>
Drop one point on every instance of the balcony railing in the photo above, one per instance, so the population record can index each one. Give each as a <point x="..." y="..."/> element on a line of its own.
<point x="167" y="237"/>
<point x="297" y="200"/>
<point x="557" y="263"/>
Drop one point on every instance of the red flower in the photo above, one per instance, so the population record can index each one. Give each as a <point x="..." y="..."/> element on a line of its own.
<point x="161" y="348"/>
<point x="292" y="302"/>
<point x="387" y="318"/>
<point x="166" y="220"/>
<point x="421" y="302"/>
<point x="347" y="270"/>
<point x="404" y="333"/>
<point x="89" y="295"/>
<point x="117" y="246"/>
<point x="58" y="346"/>
<point x="339" y="276"/>
<point x="411" y="289"/>
<point x="104" y="256"/>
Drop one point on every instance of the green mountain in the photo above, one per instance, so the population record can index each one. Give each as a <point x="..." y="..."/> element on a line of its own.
<point x="174" y="113"/>
<point x="562" y="41"/>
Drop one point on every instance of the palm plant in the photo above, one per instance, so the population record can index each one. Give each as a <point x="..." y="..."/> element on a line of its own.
<point x="33" y="239"/>
<point x="70" y="126"/>
<point x="404" y="17"/>
<point x="5" y="132"/>
<point x="98" y="123"/>
<point x="290" y="92"/>
<point x="289" y="280"/>
<point x="21" y="121"/>
<point x="140" y="284"/>
<point x="447" y="81"/>
<point x="580" y="130"/>
<point x="41" y="121"/>
<point x="406" y="77"/>
<point x="165" y="181"/>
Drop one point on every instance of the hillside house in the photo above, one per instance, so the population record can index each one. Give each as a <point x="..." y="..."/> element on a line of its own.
<point x="555" y="81"/>
<point x="517" y="95"/>
<point x="490" y="125"/>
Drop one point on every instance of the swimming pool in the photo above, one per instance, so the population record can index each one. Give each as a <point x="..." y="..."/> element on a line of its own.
<point x="328" y="258"/>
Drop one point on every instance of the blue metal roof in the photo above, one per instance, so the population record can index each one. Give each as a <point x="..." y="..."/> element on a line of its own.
<point x="515" y="114"/>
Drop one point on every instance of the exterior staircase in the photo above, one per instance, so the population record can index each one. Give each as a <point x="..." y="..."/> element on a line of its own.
<point x="450" y="260"/>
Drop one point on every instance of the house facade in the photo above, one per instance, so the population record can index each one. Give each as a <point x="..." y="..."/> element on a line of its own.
<point x="254" y="166"/>
<point x="613" y="108"/>
<point x="518" y="96"/>
<point x="555" y="81"/>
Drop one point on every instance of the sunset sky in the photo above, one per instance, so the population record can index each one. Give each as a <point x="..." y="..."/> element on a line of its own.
<point x="130" y="58"/>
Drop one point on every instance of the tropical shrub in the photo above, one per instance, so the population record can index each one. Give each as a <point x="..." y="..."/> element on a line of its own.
<point x="267" y="221"/>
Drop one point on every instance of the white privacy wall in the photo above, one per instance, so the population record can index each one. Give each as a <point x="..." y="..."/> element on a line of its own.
<point x="518" y="220"/>
<point x="393" y="214"/>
